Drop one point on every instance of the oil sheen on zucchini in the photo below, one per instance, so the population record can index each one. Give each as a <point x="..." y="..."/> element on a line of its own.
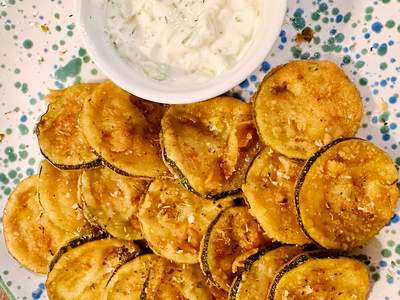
<point x="210" y="145"/>
<point x="83" y="272"/>
<point x="130" y="280"/>
<point x="231" y="238"/>
<point x="169" y="280"/>
<point x="31" y="238"/>
<point x="259" y="271"/>
<point x="124" y="131"/>
<point x="111" y="201"/>
<point x="346" y="193"/>
<point x="58" y="195"/>
<point x="316" y="275"/>
<point x="174" y="220"/>
<point x="269" y="190"/>
<point x="305" y="105"/>
<point x="60" y="136"/>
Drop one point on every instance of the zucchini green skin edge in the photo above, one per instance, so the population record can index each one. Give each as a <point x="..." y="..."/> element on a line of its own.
<point x="247" y="265"/>
<point x="296" y="262"/>
<point x="99" y="235"/>
<point x="204" y="248"/>
<point x="89" y="165"/>
<point x="303" y="174"/>
<point x="117" y="170"/>
<point x="143" y="294"/>
<point x="252" y="259"/>
<point x="185" y="182"/>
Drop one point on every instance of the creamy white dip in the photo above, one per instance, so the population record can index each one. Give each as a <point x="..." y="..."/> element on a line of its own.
<point x="171" y="38"/>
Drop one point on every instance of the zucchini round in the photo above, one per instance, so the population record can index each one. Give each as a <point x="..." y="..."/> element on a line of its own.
<point x="131" y="279"/>
<point x="83" y="272"/>
<point x="174" y="220"/>
<point x="76" y="242"/>
<point x="210" y="145"/>
<point x="346" y="193"/>
<point x="269" y="190"/>
<point x="169" y="280"/>
<point x="59" y="134"/>
<point x="259" y="271"/>
<point x="305" y="105"/>
<point x="31" y="238"/>
<point x="231" y="238"/>
<point x="111" y="201"/>
<point x="124" y="131"/>
<point x="58" y="196"/>
<point x="318" y="275"/>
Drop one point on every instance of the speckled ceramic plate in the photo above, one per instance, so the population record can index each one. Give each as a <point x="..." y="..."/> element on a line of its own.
<point x="40" y="50"/>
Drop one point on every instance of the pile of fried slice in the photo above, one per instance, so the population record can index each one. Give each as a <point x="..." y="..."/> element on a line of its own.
<point x="215" y="200"/>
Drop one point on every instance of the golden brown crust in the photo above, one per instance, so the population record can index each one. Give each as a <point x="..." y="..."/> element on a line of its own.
<point x="340" y="278"/>
<point x="31" y="238"/>
<point x="129" y="281"/>
<point x="269" y="190"/>
<point x="169" y="280"/>
<point x="254" y="282"/>
<point x="124" y="131"/>
<point x="174" y="220"/>
<point x="304" y="105"/>
<point x="230" y="239"/>
<point x="111" y="201"/>
<point x="83" y="272"/>
<point x="346" y="194"/>
<point x="210" y="145"/>
<point x="58" y="196"/>
<point x="60" y="136"/>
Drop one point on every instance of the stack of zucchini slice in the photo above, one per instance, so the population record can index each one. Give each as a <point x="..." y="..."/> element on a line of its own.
<point x="214" y="200"/>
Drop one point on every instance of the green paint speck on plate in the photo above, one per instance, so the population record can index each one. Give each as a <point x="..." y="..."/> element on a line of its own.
<point x="71" y="69"/>
<point x="23" y="129"/>
<point x="386" y="253"/>
<point x="28" y="44"/>
<point x="23" y="154"/>
<point x="82" y="52"/>
<point x="24" y="88"/>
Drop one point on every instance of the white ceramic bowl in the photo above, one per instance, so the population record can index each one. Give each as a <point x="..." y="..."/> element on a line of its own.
<point x="91" y="21"/>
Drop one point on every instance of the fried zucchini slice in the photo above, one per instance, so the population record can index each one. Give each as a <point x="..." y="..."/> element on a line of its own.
<point x="259" y="271"/>
<point x="169" y="280"/>
<point x="269" y="190"/>
<point x="346" y="193"/>
<point x="210" y="145"/>
<point x="59" y="134"/>
<point x="174" y="220"/>
<point x="31" y="238"/>
<point x="230" y="239"/>
<point x="83" y="272"/>
<point x="76" y="242"/>
<point x="305" y="105"/>
<point x="130" y="280"/>
<point x="58" y="196"/>
<point x="111" y="201"/>
<point x="317" y="275"/>
<point x="124" y="131"/>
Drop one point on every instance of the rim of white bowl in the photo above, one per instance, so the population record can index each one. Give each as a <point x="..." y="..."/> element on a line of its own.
<point x="148" y="89"/>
